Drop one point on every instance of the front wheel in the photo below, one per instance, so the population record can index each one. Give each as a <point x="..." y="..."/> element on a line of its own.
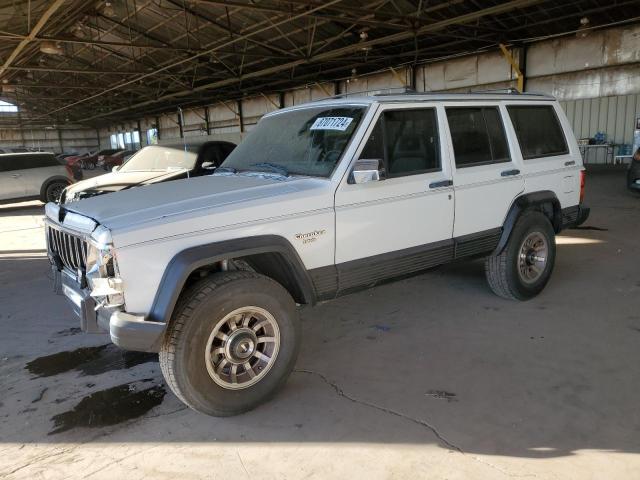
<point x="53" y="191"/>
<point x="524" y="266"/>
<point x="231" y="344"/>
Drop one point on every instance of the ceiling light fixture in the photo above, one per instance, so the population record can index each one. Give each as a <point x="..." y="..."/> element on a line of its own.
<point x="51" y="48"/>
<point x="106" y="9"/>
<point x="584" y="28"/>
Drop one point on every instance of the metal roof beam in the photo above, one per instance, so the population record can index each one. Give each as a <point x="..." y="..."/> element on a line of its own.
<point x="180" y="62"/>
<point x="494" y="10"/>
<point x="32" y="34"/>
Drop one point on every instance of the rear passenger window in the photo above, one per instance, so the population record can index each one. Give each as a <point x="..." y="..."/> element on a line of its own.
<point x="538" y="130"/>
<point x="478" y="136"/>
<point x="407" y="140"/>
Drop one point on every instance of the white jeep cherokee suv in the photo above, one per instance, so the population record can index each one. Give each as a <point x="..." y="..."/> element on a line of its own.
<point x="320" y="200"/>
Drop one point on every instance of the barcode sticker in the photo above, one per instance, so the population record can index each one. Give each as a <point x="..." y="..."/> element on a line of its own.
<point x="332" y="123"/>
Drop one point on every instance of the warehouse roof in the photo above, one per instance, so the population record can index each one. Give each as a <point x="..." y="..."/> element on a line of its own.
<point x="103" y="60"/>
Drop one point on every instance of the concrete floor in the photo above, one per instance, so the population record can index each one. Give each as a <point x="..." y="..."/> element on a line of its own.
<point x="431" y="377"/>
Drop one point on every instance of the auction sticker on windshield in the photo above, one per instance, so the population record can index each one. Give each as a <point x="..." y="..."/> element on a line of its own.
<point x="331" y="123"/>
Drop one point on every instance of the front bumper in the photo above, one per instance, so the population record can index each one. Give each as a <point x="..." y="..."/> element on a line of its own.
<point x="130" y="332"/>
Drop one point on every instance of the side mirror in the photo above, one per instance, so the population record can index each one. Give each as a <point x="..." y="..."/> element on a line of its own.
<point x="367" y="170"/>
<point x="208" y="166"/>
<point x="116" y="168"/>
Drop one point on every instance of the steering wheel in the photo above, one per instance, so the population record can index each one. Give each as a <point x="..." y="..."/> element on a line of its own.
<point x="331" y="156"/>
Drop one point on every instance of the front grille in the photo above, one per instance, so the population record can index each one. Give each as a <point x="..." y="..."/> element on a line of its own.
<point x="71" y="250"/>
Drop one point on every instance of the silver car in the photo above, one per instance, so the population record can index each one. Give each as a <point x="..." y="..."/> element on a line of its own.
<point x="32" y="175"/>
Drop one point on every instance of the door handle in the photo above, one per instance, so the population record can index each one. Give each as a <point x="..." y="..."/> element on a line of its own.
<point x="509" y="173"/>
<point x="441" y="183"/>
<point x="568" y="164"/>
<point x="15" y="175"/>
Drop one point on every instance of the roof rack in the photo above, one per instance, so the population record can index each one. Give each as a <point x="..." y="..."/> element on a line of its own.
<point x="382" y="92"/>
<point x="507" y="91"/>
<point x="373" y="93"/>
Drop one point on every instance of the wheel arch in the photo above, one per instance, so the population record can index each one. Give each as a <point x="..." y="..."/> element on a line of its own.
<point x="270" y="255"/>
<point x="544" y="201"/>
<point x="49" y="181"/>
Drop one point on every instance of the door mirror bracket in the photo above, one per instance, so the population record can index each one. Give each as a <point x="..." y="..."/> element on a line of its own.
<point x="367" y="170"/>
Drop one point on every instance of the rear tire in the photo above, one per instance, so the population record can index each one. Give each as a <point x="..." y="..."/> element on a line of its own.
<point x="53" y="191"/>
<point x="523" y="268"/>
<point x="259" y="319"/>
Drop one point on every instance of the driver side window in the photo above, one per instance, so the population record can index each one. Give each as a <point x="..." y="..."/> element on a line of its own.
<point x="407" y="141"/>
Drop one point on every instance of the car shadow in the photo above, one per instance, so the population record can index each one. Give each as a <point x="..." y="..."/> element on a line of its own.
<point x="436" y="358"/>
<point x="19" y="209"/>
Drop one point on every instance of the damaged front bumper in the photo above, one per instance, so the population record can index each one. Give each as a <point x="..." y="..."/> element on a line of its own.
<point x="128" y="331"/>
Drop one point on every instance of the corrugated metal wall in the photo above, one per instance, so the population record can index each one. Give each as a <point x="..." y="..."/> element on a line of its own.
<point x="614" y="116"/>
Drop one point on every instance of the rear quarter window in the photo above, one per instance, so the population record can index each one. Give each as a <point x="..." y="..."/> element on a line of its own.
<point x="538" y="131"/>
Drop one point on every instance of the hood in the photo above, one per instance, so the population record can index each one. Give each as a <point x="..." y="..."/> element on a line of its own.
<point x="116" y="181"/>
<point x="192" y="198"/>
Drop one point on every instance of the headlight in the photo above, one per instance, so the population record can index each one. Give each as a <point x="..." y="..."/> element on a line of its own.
<point x="102" y="270"/>
<point x="100" y="262"/>
<point x="68" y="197"/>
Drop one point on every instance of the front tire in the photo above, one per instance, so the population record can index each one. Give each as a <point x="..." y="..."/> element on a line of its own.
<point x="53" y="191"/>
<point x="231" y="344"/>
<point x="523" y="268"/>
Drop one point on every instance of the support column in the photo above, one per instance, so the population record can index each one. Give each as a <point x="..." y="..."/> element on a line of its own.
<point x="60" y="140"/>
<point x="515" y="66"/>
<point x="180" y="125"/>
<point x="412" y="77"/>
<point x="140" y="133"/>
<point x="207" y="124"/>
<point x="240" y="117"/>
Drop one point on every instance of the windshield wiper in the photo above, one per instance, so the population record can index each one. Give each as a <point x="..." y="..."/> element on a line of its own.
<point x="226" y="170"/>
<point x="274" y="167"/>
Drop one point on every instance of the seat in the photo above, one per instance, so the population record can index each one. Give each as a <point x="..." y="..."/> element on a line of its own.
<point x="409" y="154"/>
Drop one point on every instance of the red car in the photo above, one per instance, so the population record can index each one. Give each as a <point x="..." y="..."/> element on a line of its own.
<point x="110" y="161"/>
<point x="73" y="165"/>
<point x="77" y="159"/>
<point x="89" y="161"/>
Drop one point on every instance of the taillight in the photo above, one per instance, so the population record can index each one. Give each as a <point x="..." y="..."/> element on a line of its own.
<point x="69" y="171"/>
<point x="582" y="181"/>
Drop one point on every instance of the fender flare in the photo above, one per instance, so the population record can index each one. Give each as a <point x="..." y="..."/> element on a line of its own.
<point x="187" y="261"/>
<point x="525" y="202"/>
<point x="48" y="181"/>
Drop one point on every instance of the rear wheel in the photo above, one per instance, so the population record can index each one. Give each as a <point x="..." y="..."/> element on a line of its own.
<point x="53" y="191"/>
<point x="231" y="344"/>
<point x="524" y="267"/>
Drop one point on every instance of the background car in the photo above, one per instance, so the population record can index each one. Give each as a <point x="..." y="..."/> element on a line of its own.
<point x="64" y="156"/>
<point x="75" y="164"/>
<point x="154" y="164"/>
<point x="32" y="175"/>
<point x="115" y="159"/>
<point x="90" y="160"/>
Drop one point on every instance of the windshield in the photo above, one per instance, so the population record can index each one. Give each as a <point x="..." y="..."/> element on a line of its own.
<point x="309" y="141"/>
<point x="157" y="158"/>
